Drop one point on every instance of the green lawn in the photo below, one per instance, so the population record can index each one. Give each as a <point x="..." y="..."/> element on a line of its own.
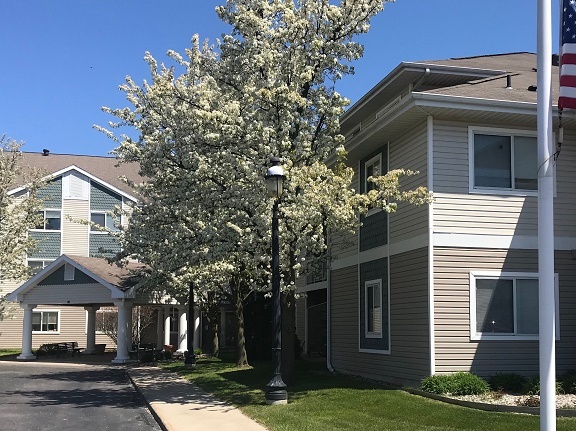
<point x="320" y="400"/>
<point x="9" y="352"/>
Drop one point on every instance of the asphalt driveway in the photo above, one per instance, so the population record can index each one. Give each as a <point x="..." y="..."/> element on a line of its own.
<point x="36" y="396"/>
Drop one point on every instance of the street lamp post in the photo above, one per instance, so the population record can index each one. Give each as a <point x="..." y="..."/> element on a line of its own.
<point x="276" y="388"/>
<point x="190" y="360"/>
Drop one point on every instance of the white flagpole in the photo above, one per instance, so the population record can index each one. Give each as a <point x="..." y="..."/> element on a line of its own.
<point x="546" y="221"/>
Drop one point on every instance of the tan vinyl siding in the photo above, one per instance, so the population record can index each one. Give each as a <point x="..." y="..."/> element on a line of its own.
<point x="456" y="210"/>
<point x="72" y="328"/>
<point x="345" y="244"/>
<point x="410" y="152"/>
<point x="454" y="349"/>
<point x="408" y="361"/>
<point x="74" y="234"/>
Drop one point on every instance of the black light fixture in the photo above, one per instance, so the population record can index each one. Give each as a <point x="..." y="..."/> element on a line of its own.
<point x="276" y="388"/>
<point x="190" y="357"/>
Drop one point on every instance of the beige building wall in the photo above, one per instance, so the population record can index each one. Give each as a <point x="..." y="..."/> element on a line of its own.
<point x="408" y="361"/>
<point x="455" y="351"/>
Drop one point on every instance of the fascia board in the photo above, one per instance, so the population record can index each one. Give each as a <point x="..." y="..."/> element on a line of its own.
<point x="473" y="103"/>
<point x="83" y="172"/>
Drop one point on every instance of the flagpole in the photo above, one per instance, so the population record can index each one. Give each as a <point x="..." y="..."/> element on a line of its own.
<point x="547" y="335"/>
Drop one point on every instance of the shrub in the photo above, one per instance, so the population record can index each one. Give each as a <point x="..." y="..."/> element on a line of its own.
<point x="455" y="384"/>
<point x="532" y="386"/>
<point x="568" y="381"/>
<point x="147" y="357"/>
<point x="508" y="382"/>
<point x="469" y="384"/>
<point x="438" y="384"/>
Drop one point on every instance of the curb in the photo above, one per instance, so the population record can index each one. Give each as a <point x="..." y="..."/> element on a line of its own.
<point x="150" y="408"/>
<point x="489" y="407"/>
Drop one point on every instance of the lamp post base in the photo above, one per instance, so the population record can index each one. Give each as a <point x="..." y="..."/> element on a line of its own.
<point x="276" y="391"/>
<point x="190" y="360"/>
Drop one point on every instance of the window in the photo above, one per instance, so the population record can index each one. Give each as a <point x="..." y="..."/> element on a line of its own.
<point x="504" y="306"/>
<point x="45" y="321"/>
<point x="52" y="220"/>
<point x="316" y="271"/>
<point x="373" y="311"/>
<point x="503" y="161"/>
<point x="104" y="220"/>
<point x="372" y="168"/>
<point x="38" y="265"/>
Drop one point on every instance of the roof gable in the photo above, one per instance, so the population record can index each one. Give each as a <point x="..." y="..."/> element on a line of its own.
<point x="121" y="282"/>
<point x="92" y="177"/>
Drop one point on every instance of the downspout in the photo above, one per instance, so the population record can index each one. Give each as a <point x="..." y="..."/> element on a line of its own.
<point x="417" y="83"/>
<point x="329" y="320"/>
<point x="430" y="163"/>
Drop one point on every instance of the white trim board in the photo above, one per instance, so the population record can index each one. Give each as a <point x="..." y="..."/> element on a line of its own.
<point x="523" y="242"/>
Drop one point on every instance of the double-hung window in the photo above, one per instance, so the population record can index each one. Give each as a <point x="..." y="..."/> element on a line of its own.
<point x="45" y="321"/>
<point x="503" y="161"/>
<point x="373" y="308"/>
<point x="104" y="220"/>
<point x="504" y="306"/>
<point x="52" y="220"/>
<point x="372" y="168"/>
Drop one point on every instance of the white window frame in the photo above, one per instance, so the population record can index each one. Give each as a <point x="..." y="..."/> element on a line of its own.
<point x="44" y="221"/>
<point x="106" y="215"/>
<point x="370" y="162"/>
<point x="475" y="336"/>
<point x="367" y="284"/>
<point x="46" y="310"/>
<point x="472" y="131"/>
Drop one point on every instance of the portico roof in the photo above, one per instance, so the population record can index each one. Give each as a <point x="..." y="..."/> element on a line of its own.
<point x="79" y="280"/>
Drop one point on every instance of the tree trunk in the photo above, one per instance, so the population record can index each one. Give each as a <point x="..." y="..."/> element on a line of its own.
<point x="241" y="355"/>
<point x="288" y="337"/>
<point x="212" y="316"/>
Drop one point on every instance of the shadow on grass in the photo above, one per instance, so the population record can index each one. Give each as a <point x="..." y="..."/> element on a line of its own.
<point x="247" y="386"/>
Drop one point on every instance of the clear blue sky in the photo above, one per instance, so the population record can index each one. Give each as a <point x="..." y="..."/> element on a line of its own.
<point x="64" y="59"/>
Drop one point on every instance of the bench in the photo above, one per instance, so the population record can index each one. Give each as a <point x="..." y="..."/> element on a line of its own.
<point x="59" y="349"/>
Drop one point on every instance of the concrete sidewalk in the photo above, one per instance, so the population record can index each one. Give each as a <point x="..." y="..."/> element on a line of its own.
<point x="180" y="405"/>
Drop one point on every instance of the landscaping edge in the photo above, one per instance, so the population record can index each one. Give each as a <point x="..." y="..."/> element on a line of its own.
<point x="490" y="407"/>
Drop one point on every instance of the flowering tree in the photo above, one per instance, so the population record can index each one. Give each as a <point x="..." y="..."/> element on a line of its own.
<point x="19" y="212"/>
<point x="206" y="137"/>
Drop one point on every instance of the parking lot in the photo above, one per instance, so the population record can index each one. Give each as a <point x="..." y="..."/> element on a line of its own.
<point x="42" y="396"/>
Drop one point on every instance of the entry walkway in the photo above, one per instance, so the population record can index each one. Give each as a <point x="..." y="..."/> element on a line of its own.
<point x="180" y="406"/>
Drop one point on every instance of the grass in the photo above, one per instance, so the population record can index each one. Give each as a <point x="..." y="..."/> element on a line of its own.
<point x="320" y="400"/>
<point x="9" y="352"/>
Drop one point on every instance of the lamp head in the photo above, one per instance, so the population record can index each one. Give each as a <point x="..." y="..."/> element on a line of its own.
<point x="274" y="178"/>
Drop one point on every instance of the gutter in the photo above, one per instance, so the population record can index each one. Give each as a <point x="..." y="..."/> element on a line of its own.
<point x="329" y="321"/>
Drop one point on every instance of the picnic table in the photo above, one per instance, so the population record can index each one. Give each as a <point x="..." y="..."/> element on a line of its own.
<point x="62" y="348"/>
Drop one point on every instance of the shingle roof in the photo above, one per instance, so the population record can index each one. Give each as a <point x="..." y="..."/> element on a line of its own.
<point x="122" y="278"/>
<point x="104" y="168"/>
<point x="521" y="66"/>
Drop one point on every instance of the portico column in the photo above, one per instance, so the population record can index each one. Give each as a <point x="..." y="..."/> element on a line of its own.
<point x="182" y="329"/>
<point x="129" y="340"/>
<point x="159" y="328"/>
<point x="167" y="317"/>
<point x="26" y="354"/>
<point x="197" y="341"/>
<point x="124" y="309"/>
<point x="91" y="330"/>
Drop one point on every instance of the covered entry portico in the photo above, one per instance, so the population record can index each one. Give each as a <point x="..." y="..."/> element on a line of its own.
<point x="91" y="283"/>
